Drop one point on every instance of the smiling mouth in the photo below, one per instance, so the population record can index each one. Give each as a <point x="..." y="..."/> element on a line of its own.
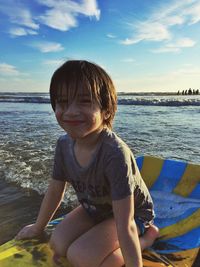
<point x="73" y="122"/>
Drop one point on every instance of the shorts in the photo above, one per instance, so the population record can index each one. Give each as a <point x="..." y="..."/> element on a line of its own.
<point x="142" y="226"/>
<point x="99" y="217"/>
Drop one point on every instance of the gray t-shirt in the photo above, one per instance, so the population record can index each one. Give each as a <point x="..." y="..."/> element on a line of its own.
<point x="112" y="174"/>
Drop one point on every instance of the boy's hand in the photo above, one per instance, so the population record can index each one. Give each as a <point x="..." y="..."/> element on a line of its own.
<point x="28" y="232"/>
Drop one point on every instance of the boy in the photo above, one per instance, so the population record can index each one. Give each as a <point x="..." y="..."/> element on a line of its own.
<point x="114" y="221"/>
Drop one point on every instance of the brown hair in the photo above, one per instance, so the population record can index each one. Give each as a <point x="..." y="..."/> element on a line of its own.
<point x="75" y="75"/>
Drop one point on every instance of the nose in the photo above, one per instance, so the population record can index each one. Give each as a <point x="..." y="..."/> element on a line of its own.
<point x="72" y="109"/>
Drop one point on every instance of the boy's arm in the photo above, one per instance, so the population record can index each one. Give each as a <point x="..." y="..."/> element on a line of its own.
<point x="50" y="204"/>
<point x="127" y="231"/>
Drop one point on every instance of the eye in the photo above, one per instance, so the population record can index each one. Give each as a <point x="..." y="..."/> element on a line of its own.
<point x="62" y="103"/>
<point x="85" y="101"/>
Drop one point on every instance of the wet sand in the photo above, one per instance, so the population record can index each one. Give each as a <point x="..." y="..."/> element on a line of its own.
<point x="18" y="207"/>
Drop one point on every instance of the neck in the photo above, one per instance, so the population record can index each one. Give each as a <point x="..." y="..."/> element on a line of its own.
<point x="90" y="141"/>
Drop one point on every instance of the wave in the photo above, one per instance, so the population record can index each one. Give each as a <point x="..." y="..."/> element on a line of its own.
<point x="24" y="99"/>
<point x="133" y="100"/>
<point x="160" y="102"/>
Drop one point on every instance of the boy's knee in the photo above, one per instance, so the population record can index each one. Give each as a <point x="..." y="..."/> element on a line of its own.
<point x="73" y="257"/>
<point x="78" y="258"/>
<point x="57" y="246"/>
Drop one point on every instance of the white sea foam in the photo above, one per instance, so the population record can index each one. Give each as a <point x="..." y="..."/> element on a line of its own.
<point x="123" y="99"/>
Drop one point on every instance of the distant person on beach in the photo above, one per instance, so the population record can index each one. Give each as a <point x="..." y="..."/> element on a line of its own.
<point x="114" y="221"/>
<point x="190" y="91"/>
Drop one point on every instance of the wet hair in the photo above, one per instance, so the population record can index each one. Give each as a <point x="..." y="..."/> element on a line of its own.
<point x="75" y="76"/>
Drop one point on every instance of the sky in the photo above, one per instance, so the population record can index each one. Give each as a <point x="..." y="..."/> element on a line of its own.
<point x="145" y="46"/>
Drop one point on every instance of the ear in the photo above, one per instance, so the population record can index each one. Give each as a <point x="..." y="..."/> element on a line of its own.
<point x="106" y="114"/>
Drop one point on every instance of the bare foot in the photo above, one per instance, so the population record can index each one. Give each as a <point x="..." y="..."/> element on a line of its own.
<point x="149" y="237"/>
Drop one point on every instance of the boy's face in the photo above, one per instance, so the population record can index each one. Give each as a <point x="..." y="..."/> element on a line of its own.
<point x="80" y="116"/>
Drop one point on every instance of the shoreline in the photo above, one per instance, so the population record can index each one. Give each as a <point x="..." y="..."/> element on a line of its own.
<point x="19" y="207"/>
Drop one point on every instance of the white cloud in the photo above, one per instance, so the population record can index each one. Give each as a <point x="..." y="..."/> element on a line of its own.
<point x="159" y="25"/>
<point x="193" y="13"/>
<point x="110" y="35"/>
<point x="8" y="70"/>
<point x="59" y="14"/>
<point x="18" y="14"/>
<point x="176" y="46"/>
<point x="62" y="15"/>
<point x="151" y="31"/>
<point x="174" y="20"/>
<point x="184" y="42"/>
<point x="23" y="17"/>
<point x="21" y="32"/>
<point x="90" y="8"/>
<point x="57" y="20"/>
<point x="47" y="47"/>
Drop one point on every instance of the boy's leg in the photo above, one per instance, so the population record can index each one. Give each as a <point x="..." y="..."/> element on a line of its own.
<point x="99" y="247"/>
<point x="149" y="237"/>
<point x="93" y="247"/>
<point x="145" y="241"/>
<point x="76" y="223"/>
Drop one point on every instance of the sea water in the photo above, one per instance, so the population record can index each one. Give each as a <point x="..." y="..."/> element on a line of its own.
<point x="166" y="126"/>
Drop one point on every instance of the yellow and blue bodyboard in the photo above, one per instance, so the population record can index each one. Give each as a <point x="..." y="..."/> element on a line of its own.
<point x="175" y="189"/>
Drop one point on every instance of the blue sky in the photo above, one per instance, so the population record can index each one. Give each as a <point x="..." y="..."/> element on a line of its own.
<point x="147" y="45"/>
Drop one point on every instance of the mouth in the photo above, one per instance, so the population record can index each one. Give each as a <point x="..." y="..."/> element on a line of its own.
<point x="73" y="122"/>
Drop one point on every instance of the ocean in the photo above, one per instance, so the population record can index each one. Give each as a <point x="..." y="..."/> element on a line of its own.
<point x="162" y="125"/>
